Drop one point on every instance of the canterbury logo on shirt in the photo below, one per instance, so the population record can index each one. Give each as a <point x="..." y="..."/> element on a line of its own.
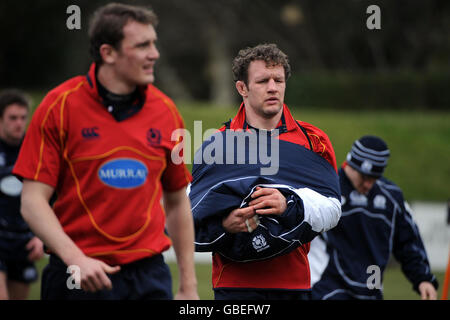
<point x="90" y="133"/>
<point x="154" y="137"/>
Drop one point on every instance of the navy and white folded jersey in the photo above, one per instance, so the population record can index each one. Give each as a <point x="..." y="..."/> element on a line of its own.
<point x="348" y="262"/>
<point x="218" y="188"/>
<point x="12" y="225"/>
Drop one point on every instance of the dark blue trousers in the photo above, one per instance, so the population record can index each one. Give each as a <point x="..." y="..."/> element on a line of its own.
<point x="146" y="279"/>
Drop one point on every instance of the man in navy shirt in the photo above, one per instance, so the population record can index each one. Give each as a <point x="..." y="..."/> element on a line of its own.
<point x="19" y="248"/>
<point x="348" y="261"/>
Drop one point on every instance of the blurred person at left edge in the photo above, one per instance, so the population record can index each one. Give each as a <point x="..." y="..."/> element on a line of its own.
<point x="19" y="247"/>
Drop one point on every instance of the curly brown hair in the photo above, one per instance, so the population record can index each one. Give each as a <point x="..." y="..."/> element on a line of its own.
<point x="269" y="53"/>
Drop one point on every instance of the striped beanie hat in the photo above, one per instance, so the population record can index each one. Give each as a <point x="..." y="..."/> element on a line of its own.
<point x="369" y="155"/>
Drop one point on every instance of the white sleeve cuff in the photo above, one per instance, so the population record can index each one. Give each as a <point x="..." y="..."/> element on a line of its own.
<point x="322" y="213"/>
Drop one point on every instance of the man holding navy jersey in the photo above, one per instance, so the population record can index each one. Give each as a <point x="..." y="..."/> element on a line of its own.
<point x="376" y="221"/>
<point x="258" y="225"/>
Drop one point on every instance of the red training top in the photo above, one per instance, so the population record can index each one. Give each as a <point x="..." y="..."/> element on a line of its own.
<point x="108" y="175"/>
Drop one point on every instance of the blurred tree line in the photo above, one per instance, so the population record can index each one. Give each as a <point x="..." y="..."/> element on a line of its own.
<point x="336" y="60"/>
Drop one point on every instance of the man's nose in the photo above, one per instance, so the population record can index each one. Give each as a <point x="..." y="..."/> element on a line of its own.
<point x="271" y="85"/>
<point x="153" y="53"/>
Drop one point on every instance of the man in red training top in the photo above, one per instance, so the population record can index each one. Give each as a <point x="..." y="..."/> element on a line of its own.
<point x="102" y="143"/>
<point x="259" y="226"/>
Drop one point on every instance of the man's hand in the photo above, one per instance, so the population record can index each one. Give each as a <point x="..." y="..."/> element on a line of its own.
<point x="268" y="201"/>
<point x="241" y="220"/>
<point x="35" y="248"/>
<point x="188" y="294"/>
<point x="265" y="201"/>
<point x="93" y="274"/>
<point x="427" y="291"/>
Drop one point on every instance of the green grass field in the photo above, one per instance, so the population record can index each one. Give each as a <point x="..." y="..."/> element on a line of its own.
<point x="396" y="286"/>
<point x="419" y="141"/>
<point x="419" y="164"/>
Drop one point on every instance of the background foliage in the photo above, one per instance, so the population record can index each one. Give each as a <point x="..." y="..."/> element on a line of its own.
<point x="337" y="62"/>
<point x="419" y="140"/>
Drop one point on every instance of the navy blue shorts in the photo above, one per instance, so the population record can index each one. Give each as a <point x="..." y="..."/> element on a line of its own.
<point x="19" y="270"/>
<point x="14" y="258"/>
<point x="260" y="294"/>
<point x="146" y="279"/>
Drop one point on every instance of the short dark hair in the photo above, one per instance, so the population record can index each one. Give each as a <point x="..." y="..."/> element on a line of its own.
<point x="107" y="23"/>
<point x="269" y="53"/>
<point x="13" y="96"/>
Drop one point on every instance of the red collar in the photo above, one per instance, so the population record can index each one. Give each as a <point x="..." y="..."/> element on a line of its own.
<point x="239" y="121"/>
<point x="91" y="79"/>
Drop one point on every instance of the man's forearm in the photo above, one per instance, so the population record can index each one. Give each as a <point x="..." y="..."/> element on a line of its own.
<point x="43" y="222"/>
<point x="181" y="230"/>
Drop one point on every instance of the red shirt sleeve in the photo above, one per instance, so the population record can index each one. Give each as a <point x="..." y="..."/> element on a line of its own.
<point x="40" y="155"/>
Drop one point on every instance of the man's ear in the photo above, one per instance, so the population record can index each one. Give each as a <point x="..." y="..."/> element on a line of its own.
<point x="108" y="53"/>
<point x="241" y="87"/>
